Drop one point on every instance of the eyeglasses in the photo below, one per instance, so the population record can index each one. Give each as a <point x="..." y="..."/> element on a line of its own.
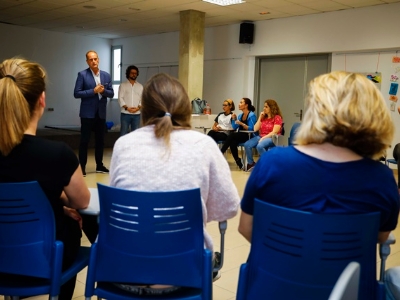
<point x="224" y="104"/>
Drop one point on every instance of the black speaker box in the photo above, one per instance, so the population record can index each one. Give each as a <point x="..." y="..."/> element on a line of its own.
<point x="246" y="35"/>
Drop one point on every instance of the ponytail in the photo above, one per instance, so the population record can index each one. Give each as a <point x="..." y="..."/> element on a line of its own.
<point x="14" y="115"/>
<point x="21" y="84"/>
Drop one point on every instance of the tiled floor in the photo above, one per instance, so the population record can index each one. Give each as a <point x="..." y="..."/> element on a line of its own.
<point x="236" y="247"/>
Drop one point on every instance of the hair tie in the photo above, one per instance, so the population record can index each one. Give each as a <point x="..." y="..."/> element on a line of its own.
<point x="167" y="114"/>
<point x="10" y="76"/>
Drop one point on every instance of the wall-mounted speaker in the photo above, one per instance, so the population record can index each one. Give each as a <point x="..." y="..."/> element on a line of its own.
<point x="246" y="35"/>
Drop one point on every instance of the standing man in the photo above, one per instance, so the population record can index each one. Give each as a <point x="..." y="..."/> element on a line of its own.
<point x="93" y="87"/>
<point x="129" y="98"/>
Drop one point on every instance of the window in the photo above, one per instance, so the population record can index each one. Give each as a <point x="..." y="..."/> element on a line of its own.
<point x="116" y="68"/>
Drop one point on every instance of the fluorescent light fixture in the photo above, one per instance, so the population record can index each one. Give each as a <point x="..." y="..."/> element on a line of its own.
<point x="224" y="2"/>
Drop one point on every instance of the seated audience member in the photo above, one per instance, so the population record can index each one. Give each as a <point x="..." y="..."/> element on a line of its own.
<point x="222" y="123"/>
<point x="26" y="157"/>
<point x="332" y="167"/>
<point x="269" y="124"/>
<point x="165" y="155"/>
<point x="245" y="121"/>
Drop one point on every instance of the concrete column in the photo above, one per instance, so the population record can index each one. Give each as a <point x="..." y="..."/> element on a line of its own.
<point x="191" y="52"/>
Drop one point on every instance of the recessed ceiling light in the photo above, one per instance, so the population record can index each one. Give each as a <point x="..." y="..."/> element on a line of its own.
<point x="89" y="7"/>
<point x="224" y="2"/>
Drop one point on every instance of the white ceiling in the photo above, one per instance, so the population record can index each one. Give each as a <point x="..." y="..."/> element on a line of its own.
<point x="126" y="18"/>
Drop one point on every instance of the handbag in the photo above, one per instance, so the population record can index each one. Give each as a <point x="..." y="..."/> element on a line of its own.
<point x="198" y="106"/>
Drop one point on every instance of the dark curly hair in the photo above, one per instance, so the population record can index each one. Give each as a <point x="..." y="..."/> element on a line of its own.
<point x="129" y="69"/>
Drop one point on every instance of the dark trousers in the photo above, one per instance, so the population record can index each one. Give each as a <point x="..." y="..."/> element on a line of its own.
<point x="396" y="155"/>
<point x="217" y="136"/>
<point x="232" y="141"/>
<point x="71" y="238"/>
<point x="88" y="125"/>
<point x="90" y="227"/>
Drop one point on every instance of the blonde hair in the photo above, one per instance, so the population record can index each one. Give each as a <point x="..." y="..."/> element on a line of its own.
<point x="21" y="84"/>
<point x="166" y="105"/>
<point x="347" y="110"/>
<point x="230" y="103"/>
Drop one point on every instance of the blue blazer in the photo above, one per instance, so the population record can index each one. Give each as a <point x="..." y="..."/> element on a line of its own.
<point x="90" y="102"/>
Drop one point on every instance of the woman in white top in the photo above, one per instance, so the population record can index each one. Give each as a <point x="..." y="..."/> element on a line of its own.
<point x="222" y="123"/>
<point x="166" y="155"/>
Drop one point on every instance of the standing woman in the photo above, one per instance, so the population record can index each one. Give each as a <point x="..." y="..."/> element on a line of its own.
<point x="222" y="123"/>
<point x="245" y="121"/>
<point x="269" y="124"/>
<point x="26" y="157"/>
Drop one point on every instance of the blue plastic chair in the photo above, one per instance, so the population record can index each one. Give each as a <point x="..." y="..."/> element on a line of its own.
<point x="300" y="255"/>
<point x="31" y="258"/>
<point x="292" y="133"/>
<point x="391" y="161"/>
<point x="150" y="238"/>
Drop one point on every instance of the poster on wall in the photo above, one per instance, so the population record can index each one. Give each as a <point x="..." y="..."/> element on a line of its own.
<point x="375" y="77"/>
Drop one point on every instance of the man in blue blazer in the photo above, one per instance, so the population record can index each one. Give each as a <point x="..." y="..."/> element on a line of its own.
<point x="93" y="87"/>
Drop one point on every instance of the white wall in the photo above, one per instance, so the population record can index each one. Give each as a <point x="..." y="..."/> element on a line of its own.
<point x="229" y="66"/>
<point x="63" y="56"/>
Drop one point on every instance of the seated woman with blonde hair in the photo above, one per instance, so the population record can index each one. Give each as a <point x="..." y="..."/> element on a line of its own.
<point x="26" y="157"/>
<point x="332" y="168"/>
<point x="222" y="123"/>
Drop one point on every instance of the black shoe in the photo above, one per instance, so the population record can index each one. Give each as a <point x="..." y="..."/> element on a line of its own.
<point x="217" y="263"/>
<point x="216" y="275"/>
<point x="239" y="163"/>
<point x="102" y="169"/>
<point x="250" y="166"/>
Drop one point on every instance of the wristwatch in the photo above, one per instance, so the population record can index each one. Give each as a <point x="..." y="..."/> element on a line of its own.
<point x="126" y="108"/>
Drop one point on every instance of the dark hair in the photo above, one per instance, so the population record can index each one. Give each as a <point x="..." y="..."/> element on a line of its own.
<point x="250" y="107"/>
<point x="166" y="105"/>
<point x="129" y="69"/>
<point x="274" y="108"/>
<point x="21" y="84"/>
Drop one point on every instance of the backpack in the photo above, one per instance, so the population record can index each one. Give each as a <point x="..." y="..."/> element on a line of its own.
<point x="198" y="105"/>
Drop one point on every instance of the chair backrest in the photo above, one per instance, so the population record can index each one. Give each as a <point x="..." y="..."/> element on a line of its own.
<point x="150" y="237"/>
<point x="293" y="133"/>
<point x="300" y="255"/>
<point x="346" y="288"/>
<point x="27" y="230"/>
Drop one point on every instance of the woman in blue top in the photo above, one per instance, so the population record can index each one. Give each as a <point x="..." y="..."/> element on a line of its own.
<point x="245" y="121"/>
<point x="333" y="167"/>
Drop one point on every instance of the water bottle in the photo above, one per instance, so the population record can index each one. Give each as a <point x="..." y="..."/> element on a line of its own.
<point x="207" y="109"/>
